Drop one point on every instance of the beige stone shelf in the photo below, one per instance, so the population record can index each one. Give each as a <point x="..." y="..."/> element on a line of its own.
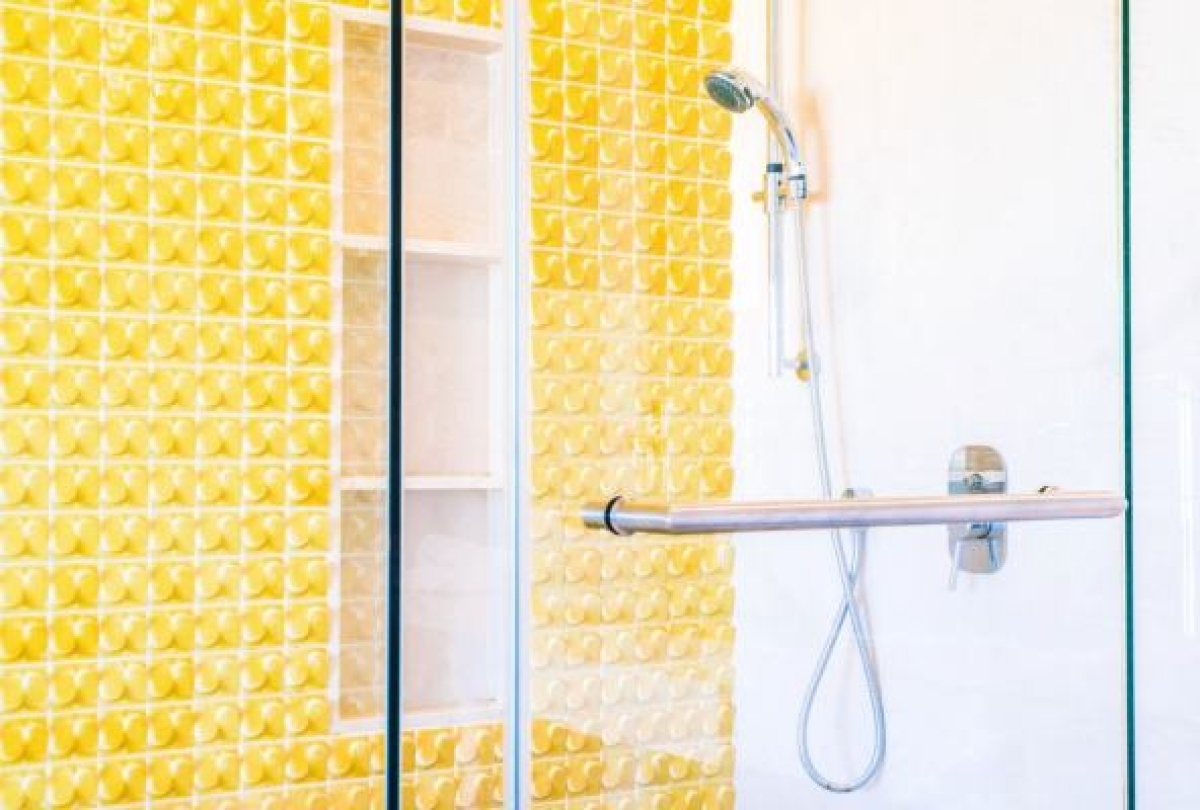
<point x="429" y="250"/>
<point x="451" y="252"/>
<point x="362" y="242"/>
<point x="364" y="483"/>
<point x="488" y="711"/>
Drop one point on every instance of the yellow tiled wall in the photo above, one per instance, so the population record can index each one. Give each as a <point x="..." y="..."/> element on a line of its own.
<point x="632" y="644"/>
<point x="632" y="640"/>
<point x="470" y="12"/>
<point x="166" y="347"/>
<point x="166" y="341"/>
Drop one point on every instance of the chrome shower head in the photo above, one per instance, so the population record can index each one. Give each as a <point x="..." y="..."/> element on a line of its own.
<point x="733" y="90"/>
<point x="738" y="91"/>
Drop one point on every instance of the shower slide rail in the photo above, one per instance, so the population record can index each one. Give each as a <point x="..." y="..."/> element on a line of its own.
<point x="624" y="517"/>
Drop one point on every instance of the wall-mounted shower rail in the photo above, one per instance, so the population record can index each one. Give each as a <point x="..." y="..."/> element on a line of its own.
<point x="623" y="517"/>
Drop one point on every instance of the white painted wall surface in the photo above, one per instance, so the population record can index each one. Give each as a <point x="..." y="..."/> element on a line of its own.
<point x="1165" y="187"/>
<point x="965" y="230"/>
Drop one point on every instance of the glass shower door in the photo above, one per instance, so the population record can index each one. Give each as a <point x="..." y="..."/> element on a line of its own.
<point x="630" y="667"/>
<point x="454" y="471"/>
<point x="962" y="239"/>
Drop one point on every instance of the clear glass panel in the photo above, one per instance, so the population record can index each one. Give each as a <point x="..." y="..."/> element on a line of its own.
<point x="966" y="195"/>
<point x="457" y="423"/>
<point x="1165" y="386"/>
<point x="631" y="641"/>
<point x="192" y="388"/>
<point x="965" y="191"/>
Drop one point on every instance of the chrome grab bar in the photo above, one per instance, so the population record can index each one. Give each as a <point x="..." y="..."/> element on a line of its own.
<point x="623" y="517"/>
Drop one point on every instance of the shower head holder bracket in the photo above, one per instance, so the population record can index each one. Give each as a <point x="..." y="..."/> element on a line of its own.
<point x="782" y="190"/>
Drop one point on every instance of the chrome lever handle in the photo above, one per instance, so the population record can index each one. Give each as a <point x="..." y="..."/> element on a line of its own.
<point x="955" y="566"/>
<point x="978" y="532"/>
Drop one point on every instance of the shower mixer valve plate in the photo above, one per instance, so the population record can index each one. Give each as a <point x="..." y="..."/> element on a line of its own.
<point x="977" y="548"/>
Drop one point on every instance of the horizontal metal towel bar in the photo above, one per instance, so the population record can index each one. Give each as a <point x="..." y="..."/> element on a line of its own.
<point x="631" y="517"/>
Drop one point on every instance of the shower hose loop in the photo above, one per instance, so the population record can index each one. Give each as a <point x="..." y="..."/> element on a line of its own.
<point x="848" y="609"/>
<point x="849" y="567"/>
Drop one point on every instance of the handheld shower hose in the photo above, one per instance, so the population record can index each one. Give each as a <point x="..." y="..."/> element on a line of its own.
<point x="849" y="566"/>
<point x="737" y="92"/>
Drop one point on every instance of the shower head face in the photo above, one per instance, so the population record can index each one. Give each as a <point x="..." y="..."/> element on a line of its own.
<point x="732" y="89"/>
<point x="737" y="91"/>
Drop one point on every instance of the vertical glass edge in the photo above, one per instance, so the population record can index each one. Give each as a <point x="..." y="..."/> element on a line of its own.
<point x="1127" y="379"/>
<point x="393" y="700"/>
<point x="517" y="753"/>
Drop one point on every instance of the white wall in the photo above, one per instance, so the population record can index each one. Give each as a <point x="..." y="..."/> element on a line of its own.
<point x="1165" y="186"/>
<point x="965" y="160"/>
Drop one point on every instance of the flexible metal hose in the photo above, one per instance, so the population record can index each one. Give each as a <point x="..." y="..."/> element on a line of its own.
<point x="848" y="565"/>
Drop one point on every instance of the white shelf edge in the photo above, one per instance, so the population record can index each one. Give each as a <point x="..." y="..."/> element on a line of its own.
<point x="364" y="483"/>
<point x="457" y="252"/>
<point x="453" y="35"/>
<point x="377" y="244"/>
<point x="427" y="249"/>
<point x="450" y="482"/>
<point x="378" y="483"/>
<point x="470" y="713"/>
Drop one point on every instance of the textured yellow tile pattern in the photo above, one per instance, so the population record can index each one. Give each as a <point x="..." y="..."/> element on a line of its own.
<point x="166" y="342"/>
<point x="362" y="135"/>
<point x="471" y="12"/>
<point x="165" y="401"/>
<point x="447" y="768"/>
<point x="631" y="650"/>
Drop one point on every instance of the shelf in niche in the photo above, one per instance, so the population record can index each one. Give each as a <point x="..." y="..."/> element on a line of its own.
<point x="418" y="483"/>
<point x="450" y="483"/>
<point x="364" y="242"/>
<point x="459" y="715"/>
<point x="364" y="483"/>
<point x="451" y="252"/>
<point x="433" y="250"/>
<point x="452" y="35"/>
